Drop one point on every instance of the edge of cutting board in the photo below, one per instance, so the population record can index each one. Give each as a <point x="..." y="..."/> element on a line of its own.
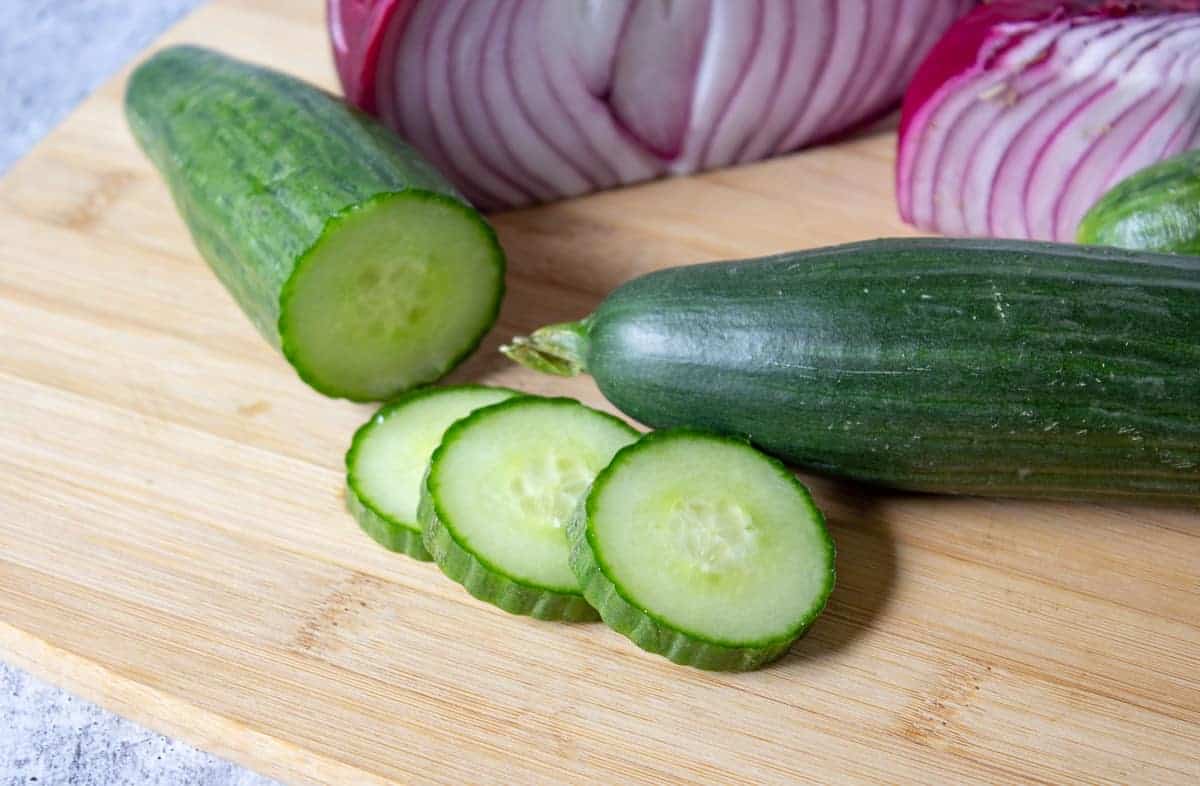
<point x="946" y="685"/>
<point x="160" y="710"/>
<point x="168" y="714"/>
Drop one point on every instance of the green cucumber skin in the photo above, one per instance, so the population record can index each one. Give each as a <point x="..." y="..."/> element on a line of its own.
<point x="258" y="162"/>
<point x="656" y="635"/>
<point x="490" y="585"/>
<point x="262" y="166"/>
<point x="1001" y="368"/>
<point x="384" y="531"/>
<point x="1155" y="209"/>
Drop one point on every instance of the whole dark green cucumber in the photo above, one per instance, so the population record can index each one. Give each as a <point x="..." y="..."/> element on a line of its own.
<point x="1155" y="209"/>
<point x="346" y="250"/>
<point x="966" y="366"/>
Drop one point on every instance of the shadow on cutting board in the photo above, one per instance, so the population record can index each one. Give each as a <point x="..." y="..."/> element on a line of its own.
<point x="866" y="568"/>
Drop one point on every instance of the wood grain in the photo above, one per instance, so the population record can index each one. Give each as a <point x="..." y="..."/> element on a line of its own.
<point x="173" y="543"/>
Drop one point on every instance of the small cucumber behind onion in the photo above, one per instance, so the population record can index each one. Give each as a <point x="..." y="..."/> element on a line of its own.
<point x="702" y="549"/>
<point x="386" y="463"/>
<point x="1154" y="209"/>
<point x="499" y="492"/>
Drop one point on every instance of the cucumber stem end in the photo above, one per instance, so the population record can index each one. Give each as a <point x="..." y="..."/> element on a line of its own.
<point x="559" y="349"/>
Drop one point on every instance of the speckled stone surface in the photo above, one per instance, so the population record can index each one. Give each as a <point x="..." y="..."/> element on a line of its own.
<point x="48" y="736"/>
<point x="52" y="54"/>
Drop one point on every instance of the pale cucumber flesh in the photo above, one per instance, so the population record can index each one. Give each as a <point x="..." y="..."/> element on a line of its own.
<point x="711" y="539"/>
<point x="506" y="480"/>
<point x="390" y="453"/>
<point x="395" y="292"/>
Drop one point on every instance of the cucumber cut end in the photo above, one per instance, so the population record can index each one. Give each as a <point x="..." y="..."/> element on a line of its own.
<point x="390" y="453"/>
<point x="703" y="549"/>
<point x="394" y="294"/>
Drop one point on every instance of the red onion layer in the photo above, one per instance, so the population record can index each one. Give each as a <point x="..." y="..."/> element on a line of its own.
<point x="1028" y="111"/>
<point x="524" y="101"/>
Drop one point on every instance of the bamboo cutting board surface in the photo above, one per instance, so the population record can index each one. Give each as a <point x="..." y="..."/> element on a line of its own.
<point x="173" y="542"/>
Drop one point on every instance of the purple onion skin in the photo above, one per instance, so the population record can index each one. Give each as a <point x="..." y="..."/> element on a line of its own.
<point x="588" y="95"/>
<point x="1027" y="111"/>
<point x="356" y="31"/>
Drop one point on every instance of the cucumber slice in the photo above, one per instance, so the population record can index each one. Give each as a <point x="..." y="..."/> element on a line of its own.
<point x="499" y="492"/>
<point x="389" y="454"/>
<point x="702" y="549"/>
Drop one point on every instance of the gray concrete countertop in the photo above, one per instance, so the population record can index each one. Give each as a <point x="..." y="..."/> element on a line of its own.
<point x="49" y="737"/>
<point x="52" y="54"/>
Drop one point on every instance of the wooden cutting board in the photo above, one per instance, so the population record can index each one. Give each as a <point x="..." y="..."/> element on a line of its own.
<point x="173" y="542"/>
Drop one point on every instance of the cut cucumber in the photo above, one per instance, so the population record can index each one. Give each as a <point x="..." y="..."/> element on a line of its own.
<point x="390" y="453"/>
<point x="702" y="549"/>
<point x="499" y="492"/>
<point x="993" y="367"/>
<point x="347" y="251"/>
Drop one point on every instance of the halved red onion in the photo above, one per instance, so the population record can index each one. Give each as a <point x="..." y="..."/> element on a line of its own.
<point x="356" y="30"/>
<point x="1027" y="111"/>
<point x="522" y="101"/>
